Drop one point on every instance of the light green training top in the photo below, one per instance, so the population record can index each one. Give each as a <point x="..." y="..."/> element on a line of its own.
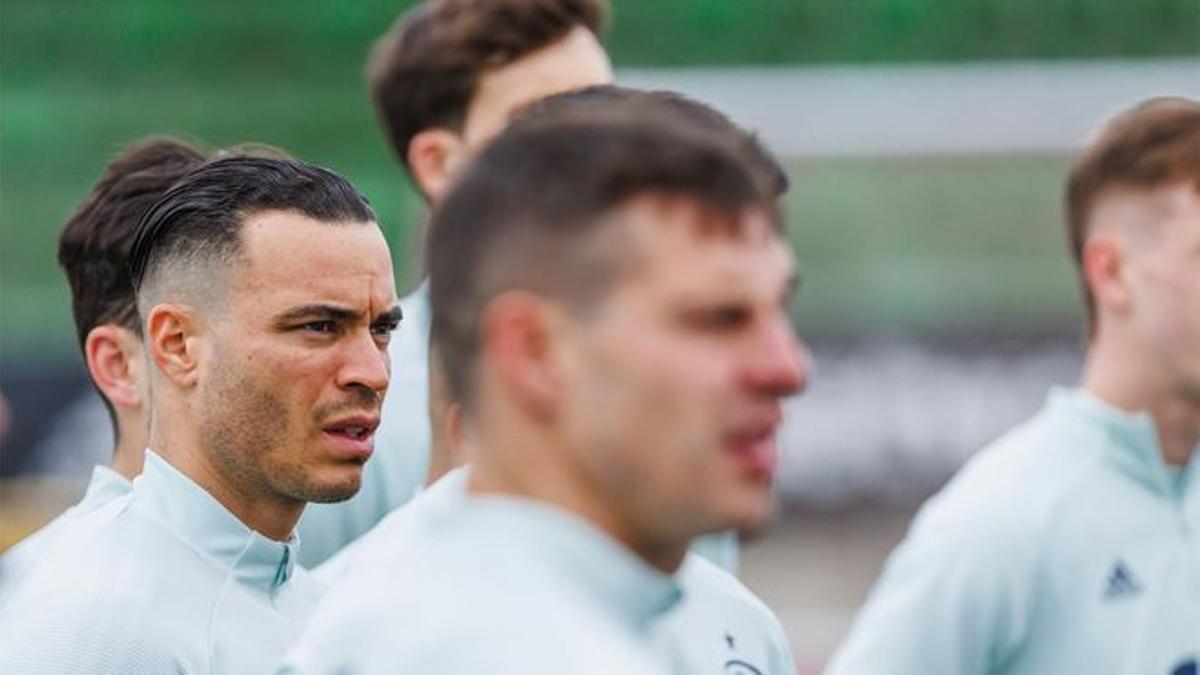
<point x="487" y="584"/>
<point x="1065" y="547"/>
<point x="719" y="624"/>
<point x="163" y="580"/>
<point x="104" y="486"/>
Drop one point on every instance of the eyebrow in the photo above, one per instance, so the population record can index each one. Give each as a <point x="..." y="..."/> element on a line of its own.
<point x="334" y="313"/>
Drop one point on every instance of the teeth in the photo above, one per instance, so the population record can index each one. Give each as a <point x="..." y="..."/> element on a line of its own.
<point x="355" y="431"/>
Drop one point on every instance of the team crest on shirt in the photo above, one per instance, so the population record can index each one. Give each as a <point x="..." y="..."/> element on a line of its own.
<point x="738" y="666"/>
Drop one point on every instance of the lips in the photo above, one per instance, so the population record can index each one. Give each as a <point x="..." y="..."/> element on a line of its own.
<point x="752" y="446"/>
<point x="352" y="435"/>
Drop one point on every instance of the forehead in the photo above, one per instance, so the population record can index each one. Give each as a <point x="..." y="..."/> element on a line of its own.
<point x="577" y="60"/>
<point x="678" y="252"/>
<point x="293" y="257"/>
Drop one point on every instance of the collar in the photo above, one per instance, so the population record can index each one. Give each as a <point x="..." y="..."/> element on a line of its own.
<point x="195" y="516"/>
<point x="105" y="484"/>
<point x="609" y="574"/>
<point x="1132" y="440"/>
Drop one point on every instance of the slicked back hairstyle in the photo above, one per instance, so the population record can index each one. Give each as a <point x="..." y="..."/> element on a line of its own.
<point x="93" y="248"/>
<point x="533" y="210"/>
<point x="702" y="117"/>
<point x="1156" y="144"/>
<point x="425" y="70"/>
<point x="198" y="221"/>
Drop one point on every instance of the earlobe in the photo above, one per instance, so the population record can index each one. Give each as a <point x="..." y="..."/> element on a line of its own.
<point x="169" y="332"/>
<point x="433" y="158"/>
<point x="112" y="354"/>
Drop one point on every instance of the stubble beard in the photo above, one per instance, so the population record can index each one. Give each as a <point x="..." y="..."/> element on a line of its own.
<point x="245" y="430"/>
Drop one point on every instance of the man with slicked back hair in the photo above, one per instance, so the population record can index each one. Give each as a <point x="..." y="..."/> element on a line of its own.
<point x="265" y="293"/>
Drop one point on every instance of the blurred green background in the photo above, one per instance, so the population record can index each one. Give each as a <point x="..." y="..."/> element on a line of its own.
<point x="80" y="80"/>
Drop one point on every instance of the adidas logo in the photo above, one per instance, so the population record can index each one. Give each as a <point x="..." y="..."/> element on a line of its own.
<point x="1121" y="583"/>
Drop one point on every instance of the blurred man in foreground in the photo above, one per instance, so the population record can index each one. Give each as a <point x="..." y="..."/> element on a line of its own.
<point x="266" y="297"/>
<point x="445" y="79"/>
<point x="1069" y="546"/>
<point x="719" y="621"/>
<point x="93" y="251"/>
<point x="619" y="346"/>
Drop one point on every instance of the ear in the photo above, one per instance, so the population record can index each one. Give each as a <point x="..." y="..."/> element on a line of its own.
<point x="435" y="157"/>
<point x="1105" y="270"/>
<point x="115" y="362"/>
<point x="171" y="342"/>
<point x="518" y="341"/>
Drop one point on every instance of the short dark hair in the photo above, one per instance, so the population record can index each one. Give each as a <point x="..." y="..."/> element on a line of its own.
<point x="200" y="217"/>
<point x="1155" y="144"/>
<point x="704" y="118"/>
<point x="94" y="246"/>
<point x="424" y="71"/>
<point x="527" y="213"/>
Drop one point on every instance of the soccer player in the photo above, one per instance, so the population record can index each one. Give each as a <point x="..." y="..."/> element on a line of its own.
<point x="718" y="621"/>
<point x="266" y="296"/>
<point x="444" y="80"/>
<point x="93" y="251"/>
<point x="1070" y="545"/>
<point x="619" y="346"/>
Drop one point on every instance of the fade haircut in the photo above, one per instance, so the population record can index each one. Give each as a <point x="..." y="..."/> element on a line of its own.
<point x="198" y="222"/>
<point x="534" y="209"/>
<point x="703" y="118"/>
<point x="1154" y="145"/>
<point x="93" y="248"/>
<point x="423" y="73"/>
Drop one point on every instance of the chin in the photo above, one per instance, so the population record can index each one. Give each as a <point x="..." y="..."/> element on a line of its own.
<point x="330" y="491"/>
<point x="746" y="512"/>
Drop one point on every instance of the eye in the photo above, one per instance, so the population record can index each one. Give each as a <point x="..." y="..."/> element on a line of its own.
<point x="723" y="318"/>
<point x="382" y="330"/>
<point x="324" y="327"/>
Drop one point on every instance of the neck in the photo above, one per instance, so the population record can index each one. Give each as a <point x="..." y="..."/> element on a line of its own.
<point x="537" y="471"/>
<point x="1131" y="386"/>
<point x="129" y="453"/>
<point x="180" y="445"/>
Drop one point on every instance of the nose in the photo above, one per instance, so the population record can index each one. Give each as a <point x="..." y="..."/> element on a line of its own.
<point x="365" y="365"/>
<point x="780" y="362"/>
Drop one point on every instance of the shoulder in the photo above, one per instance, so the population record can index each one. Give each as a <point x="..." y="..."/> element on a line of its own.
<point x="1012" y="490"/>
<point x="112" y="588"/>
<point x="720" y="618"/>
<point x="395" y="534"/>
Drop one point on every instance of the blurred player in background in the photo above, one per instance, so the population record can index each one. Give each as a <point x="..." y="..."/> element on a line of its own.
<point x="619" y="346"/>
<point x="719" y="621"/>
<point x="444" y="80"/>
<point x="266" y="296"/>
<point x="1070" y="545"/>
<point x="93" y="251"/>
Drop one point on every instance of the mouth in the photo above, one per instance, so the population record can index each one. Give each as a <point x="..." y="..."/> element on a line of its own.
<point x="353" y="435"/>
<point x="753" y="448"/>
